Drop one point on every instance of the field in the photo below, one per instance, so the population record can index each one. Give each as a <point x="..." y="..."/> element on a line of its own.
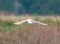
<point x="29" y="33"/>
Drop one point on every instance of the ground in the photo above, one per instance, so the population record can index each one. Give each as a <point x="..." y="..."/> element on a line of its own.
<point x="29" y="33"/>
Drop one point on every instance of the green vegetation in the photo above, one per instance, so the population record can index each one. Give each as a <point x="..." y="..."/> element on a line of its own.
<point x="6" y="25"/>
<point x="9" y="26"/>
<point x="31" y="6"/>
<point x="29" y="33"/>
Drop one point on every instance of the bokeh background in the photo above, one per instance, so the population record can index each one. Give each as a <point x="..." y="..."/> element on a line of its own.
<point x="41" y="7"/>
<point x="45" y="11"/>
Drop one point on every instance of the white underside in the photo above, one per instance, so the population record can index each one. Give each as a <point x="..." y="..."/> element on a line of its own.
<point x="29" y="21"/>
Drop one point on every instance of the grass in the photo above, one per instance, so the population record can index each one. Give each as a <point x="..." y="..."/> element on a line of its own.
<point x="8" y="25"/>
<point x="29" y="33"/>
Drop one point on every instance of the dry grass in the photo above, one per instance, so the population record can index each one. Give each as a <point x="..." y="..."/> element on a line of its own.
<point x="29" y="34"/>
<point x="32" y="35"/>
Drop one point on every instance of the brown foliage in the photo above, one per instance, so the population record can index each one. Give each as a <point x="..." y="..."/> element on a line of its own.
<point x="32" y="35"/>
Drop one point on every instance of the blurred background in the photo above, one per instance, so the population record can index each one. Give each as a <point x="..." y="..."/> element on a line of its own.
<point x="40" y="7"/>
<point x="45" y="11"/>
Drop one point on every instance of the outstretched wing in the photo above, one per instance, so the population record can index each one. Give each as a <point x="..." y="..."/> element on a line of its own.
<point x="18" y="23"/>
<point x="40" y="23"/>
